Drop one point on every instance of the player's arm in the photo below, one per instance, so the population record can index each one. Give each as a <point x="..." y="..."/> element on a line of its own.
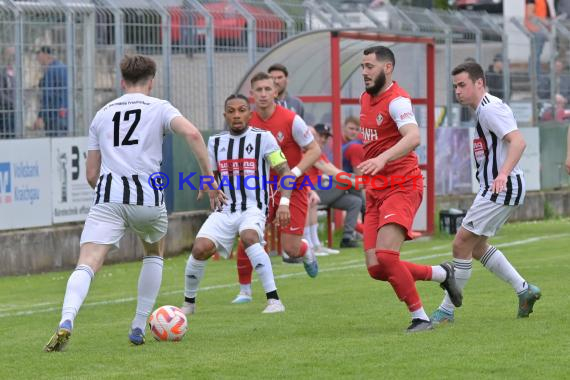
<point x="568" y="152"/>
<point x="329" y="169"/>
<point x="93" y="167"/>
<point x="515" y="150"/>
<point x="311" y="150"/>
<point x="401" y="112"/>
<point x="278" y="163"/>
<point x="499" y="119"/>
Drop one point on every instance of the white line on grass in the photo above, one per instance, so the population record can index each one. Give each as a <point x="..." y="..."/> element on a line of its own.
<point x="343" y="266"/>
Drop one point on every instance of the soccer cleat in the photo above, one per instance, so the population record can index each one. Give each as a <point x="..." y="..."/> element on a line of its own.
<point x="273" y="306"/>
<point x="419" y="325"/>
<point x="242" y="298"/>
<point x="349" y="243"/>
<point x="527" y="300"/>
<point x="450" y="285"/>
<point x="291" y="260"/>
<point x="330" y="251"/>
<point x="320" y="252"/>
<point x="188" y="308"/>
<point x="136" y="336"/>
<point x="441" y="316"/>
<point x="61" y="337"/>
<point x="310" y="261"/>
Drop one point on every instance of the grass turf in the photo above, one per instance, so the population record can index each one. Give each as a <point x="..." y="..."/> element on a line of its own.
<point x="340" y="325"/>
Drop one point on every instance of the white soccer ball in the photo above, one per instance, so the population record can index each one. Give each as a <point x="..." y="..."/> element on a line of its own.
<point x="168" y="323"/>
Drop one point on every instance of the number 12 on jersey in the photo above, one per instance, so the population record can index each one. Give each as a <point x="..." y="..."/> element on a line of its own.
<point x="117" y="121"/>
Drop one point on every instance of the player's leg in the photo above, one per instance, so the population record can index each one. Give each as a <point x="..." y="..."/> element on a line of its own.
<point x="292" y="235"/>
<point x="251" y="235"/>
<point x="496" y="262"/>
<point x="151" y="225"/>
<point x="465" y="244"/>
<point x="217" y="233"/>
<point x="103" y="228"/>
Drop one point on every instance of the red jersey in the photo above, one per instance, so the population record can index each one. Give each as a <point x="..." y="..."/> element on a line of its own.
<point x="380" y="117"/>
<point x="289" y="130"/>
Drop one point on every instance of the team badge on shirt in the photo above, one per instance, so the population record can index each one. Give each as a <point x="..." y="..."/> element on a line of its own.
<point x="280" y="136"/>
<point x="249" y="148"/>
<point x="379" y="119"/>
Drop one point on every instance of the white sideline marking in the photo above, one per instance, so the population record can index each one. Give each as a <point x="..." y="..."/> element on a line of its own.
<point x="343" y="266"/>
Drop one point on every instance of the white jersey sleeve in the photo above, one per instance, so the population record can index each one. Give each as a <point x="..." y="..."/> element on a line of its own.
<point x="211" y="155"/>
<point x="401" y="112"/>
<point x="269" y="144"/>
<point x="301" y="133"/>
<point x="498" y="118"/>
<point x="169" y="112"/>
<point x="93" y="140"/>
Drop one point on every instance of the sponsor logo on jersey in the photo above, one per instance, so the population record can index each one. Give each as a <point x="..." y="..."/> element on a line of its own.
<point x="369" y="134"/>
<point x="245" y="164"/>
<point x="379" y="119"/>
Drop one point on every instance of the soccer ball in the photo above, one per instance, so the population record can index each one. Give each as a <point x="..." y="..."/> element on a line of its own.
<point x="168" y="323"/>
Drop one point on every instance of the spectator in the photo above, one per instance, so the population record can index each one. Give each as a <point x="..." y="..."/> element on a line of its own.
<point x="352" y="148"/>
<point x="53" y="112"/>
<point x="563" y="8"/>
<point x="557" y="113"/>
<point x="494" y="77"/>
<point x="7" y="93"/>
<point x="280" y="77"/>
<point x="543" y="10"/>
<point x="348" y="200"/>
<point x="562" y="82"/>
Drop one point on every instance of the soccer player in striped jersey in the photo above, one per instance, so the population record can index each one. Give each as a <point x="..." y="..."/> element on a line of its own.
<point x="241" y="158"/>
<point x="301" y="151"/>
<point x="497" y="147"/>
<point x="124" y="149"/>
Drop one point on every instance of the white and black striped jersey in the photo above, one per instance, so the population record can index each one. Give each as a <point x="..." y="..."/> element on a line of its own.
<point x="242" y="164"/>
<point x="495" y="119"/>
<point x="129" y="132"/>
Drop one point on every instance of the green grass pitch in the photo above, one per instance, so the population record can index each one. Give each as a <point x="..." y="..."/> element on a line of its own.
<point x="342" y="324"/>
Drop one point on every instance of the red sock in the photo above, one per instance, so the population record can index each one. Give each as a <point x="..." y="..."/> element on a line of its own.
<point x="359" y="228"/>
<point x="244" y="267"/>
<point x="399" y="277"/>
<point x="303" y="248"/>
<point x="377" y="273"/>
<point x="418" y="272"/>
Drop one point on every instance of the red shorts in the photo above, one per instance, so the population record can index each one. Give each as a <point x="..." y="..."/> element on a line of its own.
<point x="383" y="207"/>
<point x="297" y="207"/>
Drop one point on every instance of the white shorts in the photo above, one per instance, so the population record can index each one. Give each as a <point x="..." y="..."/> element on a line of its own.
<point x="484" y="218"/>
<point x="222" y="228"/>
<point x="106" y="223"/>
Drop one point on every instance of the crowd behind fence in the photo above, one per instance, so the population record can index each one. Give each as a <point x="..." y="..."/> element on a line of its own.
<point x="59" y="59"/>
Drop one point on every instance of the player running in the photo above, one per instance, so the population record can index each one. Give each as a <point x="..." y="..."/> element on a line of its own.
<point x="498" y="147"/>
<point x="241" y="159"/>
<point x="125" y="148"/>
<point x="390" y="134"/>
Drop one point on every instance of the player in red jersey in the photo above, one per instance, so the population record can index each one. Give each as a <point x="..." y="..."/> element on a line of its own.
<point x="301" y="151"/>
<point x="390" y="135"/>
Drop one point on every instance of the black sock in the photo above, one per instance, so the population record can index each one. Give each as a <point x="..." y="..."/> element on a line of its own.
<point x="190" y="300"/>
<point x="272" y="295"/>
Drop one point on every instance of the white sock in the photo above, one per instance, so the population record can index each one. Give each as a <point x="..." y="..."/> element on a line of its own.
<point x="307" y="236"/>
<point x="496" y="262"/>
<point x="262" y="265"/>
<point x="150" y="279"/>
<point x="193" y="275"/>
<point x="315" y="235"/>
<point x="76" y="291"/>
<point x="246" y="289"/>
<point x="438" y="274"/>
<point x="420" y="313"/>
<point x="463" y="270"/>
